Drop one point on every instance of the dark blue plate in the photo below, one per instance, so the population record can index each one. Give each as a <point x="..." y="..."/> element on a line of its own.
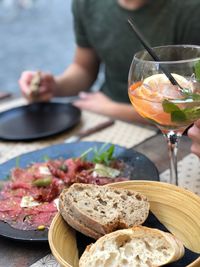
<point x="141" y="168"/>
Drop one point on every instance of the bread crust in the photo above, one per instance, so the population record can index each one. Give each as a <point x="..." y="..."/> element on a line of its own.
<point x="81" y="227"/>
<point x="73" y="222"/>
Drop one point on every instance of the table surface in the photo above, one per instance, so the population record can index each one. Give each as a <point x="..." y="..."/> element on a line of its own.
<point x="21" y="254"/>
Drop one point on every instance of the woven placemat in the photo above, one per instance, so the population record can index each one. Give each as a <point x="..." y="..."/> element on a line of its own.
<point x="188" y="174"/>
<point x="121" y="133"/>
<point x="47" y="261"/>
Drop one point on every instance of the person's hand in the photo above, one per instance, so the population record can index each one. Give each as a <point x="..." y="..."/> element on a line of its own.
<point x="101" y="104"/>
<point x="96" y="102"/>
<point x="194" y="134"/>
<point x="46" y="86"/>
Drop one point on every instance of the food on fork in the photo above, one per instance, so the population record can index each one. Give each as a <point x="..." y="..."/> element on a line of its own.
<point x="139" y="246"/>
<point x="35" y="84"/>
<point x="97" y="210"/>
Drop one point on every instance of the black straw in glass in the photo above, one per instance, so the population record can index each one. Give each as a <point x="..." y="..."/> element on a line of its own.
<point x="151" y="52"/>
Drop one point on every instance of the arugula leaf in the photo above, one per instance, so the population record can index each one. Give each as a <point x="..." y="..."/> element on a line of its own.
<point x="104" y="156"/>
<point x="83" y="156"/>
<point x="101" y="155"/>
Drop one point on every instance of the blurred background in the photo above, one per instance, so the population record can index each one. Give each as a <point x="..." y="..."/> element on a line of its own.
<point x="34" y="35"/>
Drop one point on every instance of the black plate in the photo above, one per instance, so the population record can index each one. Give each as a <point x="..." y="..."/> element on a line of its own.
<point x="142" y="169"/>
<point x="37" y="121"/>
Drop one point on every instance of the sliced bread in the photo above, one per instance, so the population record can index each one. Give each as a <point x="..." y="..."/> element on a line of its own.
<point x="68" y="217"/>
<point x="102" y="209"/>
<point x="138" y="246"/>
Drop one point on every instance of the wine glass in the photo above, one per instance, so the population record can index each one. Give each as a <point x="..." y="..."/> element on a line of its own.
<point x="171" y="107"/>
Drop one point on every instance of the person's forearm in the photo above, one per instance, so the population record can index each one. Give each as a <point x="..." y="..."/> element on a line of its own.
<point x="73" y="80"/>
<point x="126" y="112"/>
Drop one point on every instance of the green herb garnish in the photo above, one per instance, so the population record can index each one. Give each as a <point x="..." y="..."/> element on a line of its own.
<point x="46" y="158"/>
<point x="181" y="115"/>
<point x="83" y="156"/>
<point x="178" y="116"/>
<point x="190" y="95"/>
<point x="104" y="156"/>
<point x="101" y="155"/>
<point x="192" y="113"/>
<point x="169" y="107"/>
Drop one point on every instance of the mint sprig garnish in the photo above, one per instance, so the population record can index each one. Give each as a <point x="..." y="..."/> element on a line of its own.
<point x="169" y="107"/>
<point x="177" y="115"/>
<point x="186" y="91"/>
<point x="192" y="114"/>
<point x="190" y="95"/>
<point x="181" y="115"/>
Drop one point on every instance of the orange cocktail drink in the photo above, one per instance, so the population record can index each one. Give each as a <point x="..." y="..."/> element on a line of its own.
<point x="164" y="104"/>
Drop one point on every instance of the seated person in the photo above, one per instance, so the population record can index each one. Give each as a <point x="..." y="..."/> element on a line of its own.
<point x="103" y="36"/>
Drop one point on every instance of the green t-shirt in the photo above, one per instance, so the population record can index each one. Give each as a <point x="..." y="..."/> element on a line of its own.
<point x="102" y="25"/>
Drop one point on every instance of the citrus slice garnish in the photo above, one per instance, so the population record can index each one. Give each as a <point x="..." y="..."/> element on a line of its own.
<point x="161" y="78"/>
<point x="148" y="97"/>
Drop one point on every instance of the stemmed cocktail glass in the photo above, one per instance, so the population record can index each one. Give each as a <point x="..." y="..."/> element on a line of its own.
<point x="171" y="107"/>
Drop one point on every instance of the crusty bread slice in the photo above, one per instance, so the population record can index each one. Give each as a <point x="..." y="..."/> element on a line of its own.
<point x="77" y="225"/>
<point x="103" y="209"/>
<point x="138" y="246"/>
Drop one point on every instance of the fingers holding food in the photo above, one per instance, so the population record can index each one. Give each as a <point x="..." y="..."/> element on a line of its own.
<point x="24" y="82"/>
<point x="37" y="86"/>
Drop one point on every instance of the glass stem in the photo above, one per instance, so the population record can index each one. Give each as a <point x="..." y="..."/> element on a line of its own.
<point x="172" y="141"/>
